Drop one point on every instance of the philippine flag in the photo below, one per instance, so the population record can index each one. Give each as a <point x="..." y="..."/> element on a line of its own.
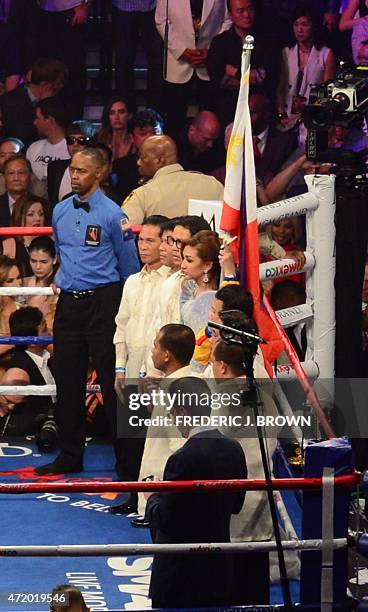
<point x="239" y="212"/>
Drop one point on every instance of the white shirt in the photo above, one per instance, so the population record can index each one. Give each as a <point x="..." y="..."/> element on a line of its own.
<point x="167" y="310"/>
<point x="168" y="306"/>
<point x="42" y="152"/>
<point x="262" y="137"/>
<point x="134" y="334"/>
<point x="65" y="185"/>
<point x="41" y="362"/>
<point x="11" y="203"/>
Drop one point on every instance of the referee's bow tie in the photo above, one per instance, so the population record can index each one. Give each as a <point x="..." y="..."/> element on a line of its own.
<point x="80" y="204"/>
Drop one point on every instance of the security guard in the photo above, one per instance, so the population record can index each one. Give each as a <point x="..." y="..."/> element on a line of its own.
<point x="96" y="255"/>
<point x="170" y="187"/>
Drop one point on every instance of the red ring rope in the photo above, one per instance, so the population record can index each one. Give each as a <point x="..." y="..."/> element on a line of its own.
<point x="302" y="376"/>
<point x="305" y="484"/>
<point x="41" y="231"/>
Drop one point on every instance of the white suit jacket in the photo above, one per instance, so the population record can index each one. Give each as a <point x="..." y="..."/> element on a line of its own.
<point x="215" y="19"/>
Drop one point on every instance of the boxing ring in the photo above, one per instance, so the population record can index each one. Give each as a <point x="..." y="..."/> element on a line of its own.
<point x="326" y="490"/>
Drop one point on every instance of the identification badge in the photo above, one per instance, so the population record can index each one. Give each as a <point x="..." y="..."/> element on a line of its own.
<point x="93" y="235"/>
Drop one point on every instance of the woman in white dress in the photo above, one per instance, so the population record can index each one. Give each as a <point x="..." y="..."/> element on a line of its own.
<point x="306" y="63"/>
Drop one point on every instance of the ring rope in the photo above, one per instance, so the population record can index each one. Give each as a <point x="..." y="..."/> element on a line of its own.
<point x="27" y="291"/>
<point x="87" y="550"/>
<point x="25" y="340"/>
<point x="39" y="389"/>
<point x="306" y="484"/>
<point x="43" y="231"/>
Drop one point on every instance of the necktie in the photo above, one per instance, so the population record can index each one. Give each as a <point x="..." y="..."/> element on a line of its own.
<point x="79" y="204"/>
<point x="299" y="81"/>
<point x="256" y="151"/>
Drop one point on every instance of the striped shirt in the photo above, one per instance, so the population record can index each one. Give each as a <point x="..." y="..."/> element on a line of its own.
<point x="135" y="5"/>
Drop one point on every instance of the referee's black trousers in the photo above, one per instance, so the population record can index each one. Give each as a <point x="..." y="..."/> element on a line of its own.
<point x="83" y="327"/>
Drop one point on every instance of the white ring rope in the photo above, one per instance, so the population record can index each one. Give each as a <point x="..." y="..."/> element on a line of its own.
<point x="13" y="291"/>
<point x="38" y="389"/>
<point x="101" y="550"/>
<point x="280" y="268"/>
<point x="285" y="209"/>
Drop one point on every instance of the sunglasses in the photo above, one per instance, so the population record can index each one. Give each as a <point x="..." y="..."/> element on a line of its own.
<point x="81" y="140"/>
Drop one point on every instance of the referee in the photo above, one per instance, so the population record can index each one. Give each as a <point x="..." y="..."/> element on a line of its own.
<point x="96" y="255"/>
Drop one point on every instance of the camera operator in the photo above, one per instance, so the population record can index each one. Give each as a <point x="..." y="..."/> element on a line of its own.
<point x="29" y="366"/>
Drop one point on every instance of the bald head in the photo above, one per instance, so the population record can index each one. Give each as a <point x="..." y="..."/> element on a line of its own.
<point x="156" y="152"/>
<point x="260" y="112"/>
<point x="203" y="131"/>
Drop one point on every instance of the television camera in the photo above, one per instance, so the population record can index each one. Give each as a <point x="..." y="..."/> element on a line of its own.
<point x="342" y="102"/>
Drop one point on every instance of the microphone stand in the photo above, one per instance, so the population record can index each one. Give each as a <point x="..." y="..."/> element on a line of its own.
<point x="238" y="337"/>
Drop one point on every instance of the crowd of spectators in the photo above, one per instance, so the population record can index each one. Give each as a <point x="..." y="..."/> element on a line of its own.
<point x="151" y="161"/>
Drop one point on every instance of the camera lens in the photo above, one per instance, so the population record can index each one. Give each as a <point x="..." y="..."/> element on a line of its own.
<point x="341" y="102"/>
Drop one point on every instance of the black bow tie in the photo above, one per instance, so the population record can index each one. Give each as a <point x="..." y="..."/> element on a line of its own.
<point x="79" y="204"/>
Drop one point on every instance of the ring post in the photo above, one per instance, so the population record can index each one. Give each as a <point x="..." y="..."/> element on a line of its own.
<point x="336" y="454"/>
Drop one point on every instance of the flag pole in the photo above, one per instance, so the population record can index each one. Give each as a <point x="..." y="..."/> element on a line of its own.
<point x="249" y="275"/>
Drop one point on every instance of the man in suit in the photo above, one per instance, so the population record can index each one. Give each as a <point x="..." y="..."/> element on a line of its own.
<point x="62" y="23"/>
<point x="134" y="21"/>
<point x="199" y="145"/>
<point x="194" y="581"/>
<point x="231" y="365"/>
<point x="17" y="177"/>
<point x="192" y="26"/>
<point x="45" y="79"/>
<point x="225" y="53"/>
<point x="8" y="148"/>
<point x="271" y="147"/>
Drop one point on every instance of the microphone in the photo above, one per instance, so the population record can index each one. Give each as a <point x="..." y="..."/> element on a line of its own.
<point x="237" y="335"/>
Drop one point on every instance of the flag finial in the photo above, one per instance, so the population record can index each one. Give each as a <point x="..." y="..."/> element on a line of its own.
<point x="248" y="43"/>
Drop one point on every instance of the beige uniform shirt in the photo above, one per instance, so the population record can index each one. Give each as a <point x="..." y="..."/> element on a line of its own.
<point x="168" y="192"/>
<point x="132" y="338"/>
